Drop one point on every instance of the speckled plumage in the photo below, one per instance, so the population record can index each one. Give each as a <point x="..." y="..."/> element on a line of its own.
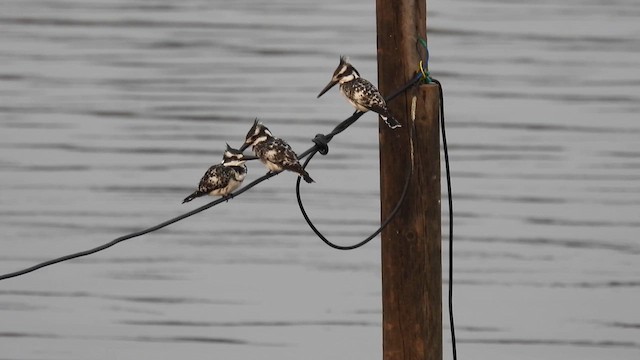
<point x="274" y="152"/>
<point x="361" y="93"/>
<point x="222" y="179"/>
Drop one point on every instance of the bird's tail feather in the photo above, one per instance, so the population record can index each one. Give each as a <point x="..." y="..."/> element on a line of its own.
<point x="306" y="177"/>
<point x="195" y="194"/>
<point x="390" y="121"/>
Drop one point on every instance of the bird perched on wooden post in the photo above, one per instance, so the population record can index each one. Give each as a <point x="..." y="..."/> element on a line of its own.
<point x="274" y="152"/>
<point x="362" y="94"/>
<point x="221" y="179"/>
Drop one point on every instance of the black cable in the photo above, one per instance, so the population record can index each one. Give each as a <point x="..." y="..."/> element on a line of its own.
<point x="448" y="174"/>
<point x="137" y="233"/>
<point x="424" y="69"/>
<point x="416" y="78"/>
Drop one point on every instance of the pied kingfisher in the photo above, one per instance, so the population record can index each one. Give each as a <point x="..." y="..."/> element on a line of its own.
<point x="221" y="179"/>
<point x="274" y="152"/>
<point x="362" y="94"/>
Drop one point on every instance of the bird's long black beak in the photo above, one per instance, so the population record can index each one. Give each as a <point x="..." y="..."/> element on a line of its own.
<point x="243" y="147"/>
<point x="250" y="157"/>
<point x="326" y="88"/>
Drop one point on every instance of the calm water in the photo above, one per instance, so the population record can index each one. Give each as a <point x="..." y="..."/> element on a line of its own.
<point x="111" y="110"/>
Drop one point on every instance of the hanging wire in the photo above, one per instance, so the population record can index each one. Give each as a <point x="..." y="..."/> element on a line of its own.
<point x="384" y="223"/>
<point x="421" y="43"/>
<point x="424" y="69"/>
<point x="450" y="202"/>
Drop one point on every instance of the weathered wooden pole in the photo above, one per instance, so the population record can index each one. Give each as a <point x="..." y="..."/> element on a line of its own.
<point x="411" y="263"/>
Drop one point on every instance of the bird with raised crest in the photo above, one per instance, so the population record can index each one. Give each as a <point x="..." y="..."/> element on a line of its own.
<point x="274" y="152"/>
<point x="221" y="179"/>
<point x="362" y="94"/>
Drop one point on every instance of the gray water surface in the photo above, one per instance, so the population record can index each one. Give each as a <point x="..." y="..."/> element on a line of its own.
<point x="111" y="111"/>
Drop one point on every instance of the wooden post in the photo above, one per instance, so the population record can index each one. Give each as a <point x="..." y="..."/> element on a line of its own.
<point x="411" y="263"/>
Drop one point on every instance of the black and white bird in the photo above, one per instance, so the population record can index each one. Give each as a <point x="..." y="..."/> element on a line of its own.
<point x="221" y="179"/>
<point x="362" y="94"/>
<point x="274" y="152"/>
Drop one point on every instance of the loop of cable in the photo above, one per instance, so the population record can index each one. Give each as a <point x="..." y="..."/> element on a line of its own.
<point x="323" y="148"/>
<point x="375" y="233"/>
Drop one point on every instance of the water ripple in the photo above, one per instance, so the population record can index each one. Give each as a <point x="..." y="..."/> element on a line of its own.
<point x="277" y="323"/>
<point x="555" y="342"/>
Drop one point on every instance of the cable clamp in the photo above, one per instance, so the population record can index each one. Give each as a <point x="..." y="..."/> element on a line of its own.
<point x="322" y="143"/>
